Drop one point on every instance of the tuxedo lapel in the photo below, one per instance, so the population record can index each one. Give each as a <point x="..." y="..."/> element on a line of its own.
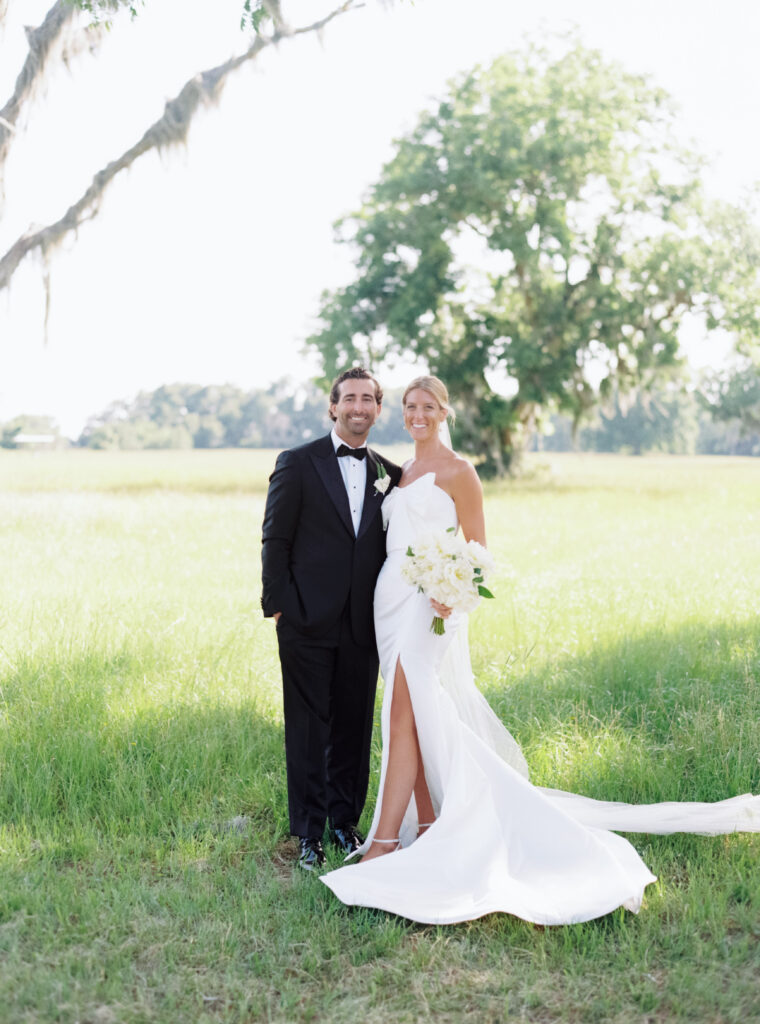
<point x="326" y="464"/>
<point x="373" y="499"/>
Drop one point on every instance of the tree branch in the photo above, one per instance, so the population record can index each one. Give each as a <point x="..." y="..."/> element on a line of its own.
<point x="274" y="11"/>
<point x="41" y="41"/>
<point x="317" y="26"/>
<point x="170" y="129"/>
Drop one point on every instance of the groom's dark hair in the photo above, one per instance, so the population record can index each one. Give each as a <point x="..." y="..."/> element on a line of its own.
<point x="355" y="373"/>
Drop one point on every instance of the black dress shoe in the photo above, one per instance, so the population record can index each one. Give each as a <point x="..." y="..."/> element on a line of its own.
<point x="311" y="855"/>
<point x="346" y="838"/>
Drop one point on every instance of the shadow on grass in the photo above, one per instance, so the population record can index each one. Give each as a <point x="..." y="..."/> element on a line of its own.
<point x="86" y="744"/>
<point x="667" y="714"/>
<point x="664" y="715"/>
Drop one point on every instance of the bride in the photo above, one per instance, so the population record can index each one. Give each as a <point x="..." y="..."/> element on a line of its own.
<point x="458" y="829"/>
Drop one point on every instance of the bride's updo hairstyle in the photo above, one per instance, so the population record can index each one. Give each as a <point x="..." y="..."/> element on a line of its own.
<point x="435" y="387"/>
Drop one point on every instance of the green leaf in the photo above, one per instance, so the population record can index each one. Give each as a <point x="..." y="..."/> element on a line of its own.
<point x="484" y="592"/>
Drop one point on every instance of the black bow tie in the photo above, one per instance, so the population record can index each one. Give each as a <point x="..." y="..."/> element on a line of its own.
<point x="355" y="453"/>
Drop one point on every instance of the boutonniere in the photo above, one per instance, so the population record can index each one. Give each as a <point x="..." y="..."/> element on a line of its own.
<point x="383" y="481"/>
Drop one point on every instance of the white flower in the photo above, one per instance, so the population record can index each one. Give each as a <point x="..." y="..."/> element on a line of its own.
<point x="479" y="557"/>
<point x="383" y="481"/>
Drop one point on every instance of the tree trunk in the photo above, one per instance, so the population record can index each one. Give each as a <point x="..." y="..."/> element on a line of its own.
<point x="512" y="451"/>
<point x="513" y="439"/>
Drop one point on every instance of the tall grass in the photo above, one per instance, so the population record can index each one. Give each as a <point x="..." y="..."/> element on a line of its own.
<point x="145" y="869"/>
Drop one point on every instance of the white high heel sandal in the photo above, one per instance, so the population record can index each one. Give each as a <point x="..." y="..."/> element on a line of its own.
<point x="396" y="843"/>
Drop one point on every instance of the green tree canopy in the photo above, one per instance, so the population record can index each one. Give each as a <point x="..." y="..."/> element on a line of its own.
<point x="542" y="227"/>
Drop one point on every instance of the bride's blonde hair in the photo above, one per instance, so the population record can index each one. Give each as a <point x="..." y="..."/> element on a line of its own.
<point x="435" y="387"/>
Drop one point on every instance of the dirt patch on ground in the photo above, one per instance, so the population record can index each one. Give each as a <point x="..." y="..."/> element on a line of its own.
<point x="284" y="859"/>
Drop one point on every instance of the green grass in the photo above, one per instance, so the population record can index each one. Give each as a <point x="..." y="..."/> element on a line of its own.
<point x="140" y="717"/>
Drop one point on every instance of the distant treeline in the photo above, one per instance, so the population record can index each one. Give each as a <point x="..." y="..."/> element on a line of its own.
<point x="678" y="422"/>
<point x="215" y="416"/>
<point x="189" y="416"/>
<point x="284" y="415"/>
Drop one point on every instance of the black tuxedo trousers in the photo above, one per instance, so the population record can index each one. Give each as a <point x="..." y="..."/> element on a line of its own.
<point x="328" y="691"/>
<point x="321" y="576"/>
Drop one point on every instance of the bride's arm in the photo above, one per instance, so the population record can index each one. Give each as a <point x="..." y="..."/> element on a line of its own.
<point x="467" y="492"/>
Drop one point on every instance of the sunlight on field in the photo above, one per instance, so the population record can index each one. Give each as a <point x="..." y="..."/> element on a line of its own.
<point x="246" y="470"/>
<point x="140" y="714"/>
<point x="214" y="472"/>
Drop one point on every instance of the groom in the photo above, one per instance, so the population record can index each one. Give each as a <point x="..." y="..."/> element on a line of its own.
<point x="323" y="546"/>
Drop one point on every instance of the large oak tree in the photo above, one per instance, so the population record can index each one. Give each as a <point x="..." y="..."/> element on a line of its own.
<point x="539" y="226"/>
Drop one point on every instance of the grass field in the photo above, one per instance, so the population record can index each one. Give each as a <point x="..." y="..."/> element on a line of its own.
<point x="145" y="869"/>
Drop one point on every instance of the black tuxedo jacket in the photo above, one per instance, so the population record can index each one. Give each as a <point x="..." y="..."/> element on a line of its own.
<point x="312" y="563"/>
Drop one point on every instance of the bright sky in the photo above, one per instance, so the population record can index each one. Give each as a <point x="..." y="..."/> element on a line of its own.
<point x="206" y="265"/>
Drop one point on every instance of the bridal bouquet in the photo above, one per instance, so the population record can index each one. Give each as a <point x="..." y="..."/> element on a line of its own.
<point x="449" y="569"/>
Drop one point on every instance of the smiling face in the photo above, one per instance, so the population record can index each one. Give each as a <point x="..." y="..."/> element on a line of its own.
<point x="422" y="414"/>
<point x="355" y="411"/>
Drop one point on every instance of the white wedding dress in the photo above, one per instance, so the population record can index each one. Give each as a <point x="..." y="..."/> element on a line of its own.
<point x="498" y="843"/>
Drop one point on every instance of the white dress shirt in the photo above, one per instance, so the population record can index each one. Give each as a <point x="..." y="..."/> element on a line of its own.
<point x="354" y="473"/>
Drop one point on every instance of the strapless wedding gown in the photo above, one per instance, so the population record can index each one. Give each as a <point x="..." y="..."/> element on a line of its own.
<point x="499" y="843"/>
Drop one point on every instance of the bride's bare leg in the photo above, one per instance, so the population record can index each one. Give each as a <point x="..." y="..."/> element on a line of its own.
<point x="403" y="767"/>
<point x="425" y="812"/>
